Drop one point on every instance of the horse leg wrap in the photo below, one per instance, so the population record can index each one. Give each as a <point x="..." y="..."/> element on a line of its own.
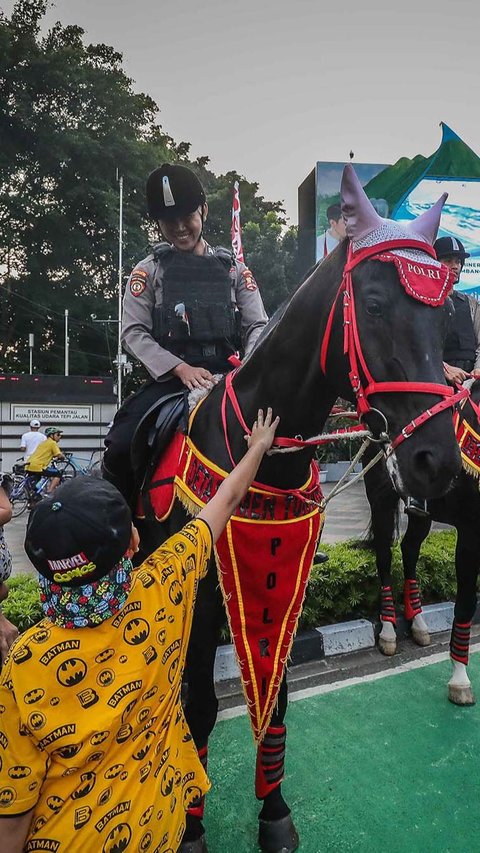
<point x="460" y="641"/>
<point x="197" y="808"/>
<point x="270" y="761"/>
<point x="387" y="607"/>
<point x="411" y="599"/>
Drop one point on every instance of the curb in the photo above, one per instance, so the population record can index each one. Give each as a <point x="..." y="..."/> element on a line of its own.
<point x="340" y="638"/>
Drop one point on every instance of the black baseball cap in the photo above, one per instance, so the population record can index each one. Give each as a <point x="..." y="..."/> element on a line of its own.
<point x="173" y="191"/>
<point x="80" y="533"/>
<point x="446" y="247"/>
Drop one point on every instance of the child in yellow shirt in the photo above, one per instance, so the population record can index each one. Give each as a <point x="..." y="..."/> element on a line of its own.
<point x="95" y="750"/>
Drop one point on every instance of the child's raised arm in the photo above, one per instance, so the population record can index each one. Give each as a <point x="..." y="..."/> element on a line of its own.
<point x="218" y="511"/>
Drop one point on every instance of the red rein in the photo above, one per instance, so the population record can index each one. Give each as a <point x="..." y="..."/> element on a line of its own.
<point x="433" y="292"/>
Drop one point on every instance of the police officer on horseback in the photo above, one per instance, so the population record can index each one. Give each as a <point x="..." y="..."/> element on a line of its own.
<point x="462" y="345"/>
<point x="461" y="352"/>
<point x="188" y="308"/>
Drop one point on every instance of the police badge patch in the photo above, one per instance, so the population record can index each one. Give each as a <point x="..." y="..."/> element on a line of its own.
<point x="138" y="282"/>
<point x="249" y="280"/>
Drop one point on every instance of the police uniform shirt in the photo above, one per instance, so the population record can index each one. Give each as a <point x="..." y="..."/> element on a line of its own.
<point x="92" y="732"/>
<point x="144" y="291"/>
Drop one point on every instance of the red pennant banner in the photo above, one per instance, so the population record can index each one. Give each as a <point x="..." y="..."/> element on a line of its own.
<point x="264" y="558"/>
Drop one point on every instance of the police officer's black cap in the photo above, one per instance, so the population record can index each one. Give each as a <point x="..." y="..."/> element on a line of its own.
<point x="173" y="191"/>
<point x="447" y="247"/>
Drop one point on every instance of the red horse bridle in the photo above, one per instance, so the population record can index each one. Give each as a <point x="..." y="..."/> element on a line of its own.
<point x="358" y="366"/>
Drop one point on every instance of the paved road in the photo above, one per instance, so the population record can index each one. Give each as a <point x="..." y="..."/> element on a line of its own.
<point x="347" y="517"/>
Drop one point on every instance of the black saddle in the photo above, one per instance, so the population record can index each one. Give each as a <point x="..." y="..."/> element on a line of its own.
<point x="154" y="432"/>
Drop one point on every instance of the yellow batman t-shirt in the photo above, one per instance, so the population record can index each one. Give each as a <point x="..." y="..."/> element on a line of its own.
<point x="92" y="733"/>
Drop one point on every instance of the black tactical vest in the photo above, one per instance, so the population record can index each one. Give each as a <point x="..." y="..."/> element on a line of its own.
<point x="460" y="343"/>
<point x="197" y="320"/>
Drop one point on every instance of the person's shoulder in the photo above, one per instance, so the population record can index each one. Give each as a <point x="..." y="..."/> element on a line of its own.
<point x="26" y="648"/>
<point x="146" y="265"/>
<point x="222" y="253"/>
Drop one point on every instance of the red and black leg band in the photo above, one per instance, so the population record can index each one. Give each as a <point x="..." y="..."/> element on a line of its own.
<point x="387" y="607"/>
<point x="460" y="641"/>
<point x="270" y="761"/>
<point x="411" y="599"/>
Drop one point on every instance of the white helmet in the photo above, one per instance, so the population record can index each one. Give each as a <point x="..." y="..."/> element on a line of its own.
<point x="34" y="422"/>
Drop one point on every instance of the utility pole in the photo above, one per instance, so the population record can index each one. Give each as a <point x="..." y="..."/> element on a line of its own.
<point x="31" y="339"/>
<point x="120" y="266"/>
<point x="67" y="342"/>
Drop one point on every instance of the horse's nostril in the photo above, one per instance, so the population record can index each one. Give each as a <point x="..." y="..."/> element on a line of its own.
<point x="424" y="462"/>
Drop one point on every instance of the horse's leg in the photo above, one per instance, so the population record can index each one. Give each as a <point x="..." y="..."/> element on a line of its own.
<point x="417" y="531"/>
<point x="383" y="504"/>
<point x="201" y="703"/>
<point x="467" y="561"/>
<point x="276" y="830"/>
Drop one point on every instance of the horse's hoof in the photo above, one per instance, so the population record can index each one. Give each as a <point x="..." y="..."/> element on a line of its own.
<point x="387" y="647"/>
<point x="461" y="695"/>
<point x="278" y="836"/>
<point x="422" y="638"/>
<point x="197" y="846"/>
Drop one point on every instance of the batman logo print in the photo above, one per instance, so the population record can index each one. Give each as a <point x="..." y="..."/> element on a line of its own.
<point x="71" y="672"/>
<point x="19" y="771"/>
<point x="118" y="839"/>
<point x="136" y="631"/>
<point x="102" y="657"/>
<point x="7" y="797"/>
<point x="34" y="696"/>
<point x="36" y="721"/>
<point x="87" y="784"/>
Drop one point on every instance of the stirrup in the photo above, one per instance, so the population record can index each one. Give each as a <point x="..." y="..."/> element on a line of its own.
<point x="416" y="507"/>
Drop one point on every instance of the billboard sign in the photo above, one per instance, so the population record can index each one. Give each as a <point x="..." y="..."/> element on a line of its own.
<point x="329" y="228"/>
<point x="460" y="219"/>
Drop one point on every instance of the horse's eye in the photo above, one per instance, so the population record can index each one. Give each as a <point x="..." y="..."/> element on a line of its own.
<point x="374" y="309"/>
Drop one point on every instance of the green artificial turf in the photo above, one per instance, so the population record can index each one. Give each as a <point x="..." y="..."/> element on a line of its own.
<point x="387" y="765"/>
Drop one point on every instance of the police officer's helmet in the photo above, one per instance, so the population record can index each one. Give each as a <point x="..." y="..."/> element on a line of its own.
<point x="448" y="247"/>
<point x="173" y="191"/>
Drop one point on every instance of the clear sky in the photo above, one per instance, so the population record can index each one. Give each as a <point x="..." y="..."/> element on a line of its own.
<point x="268" y="87"/>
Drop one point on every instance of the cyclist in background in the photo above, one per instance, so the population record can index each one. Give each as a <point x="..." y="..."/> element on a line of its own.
<point x="40" y="462"/>
<point x="30" y="440"/>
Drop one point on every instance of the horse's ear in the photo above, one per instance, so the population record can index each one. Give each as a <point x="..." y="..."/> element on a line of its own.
<point x="360" y="216"/>
<point x="427" y="224"/>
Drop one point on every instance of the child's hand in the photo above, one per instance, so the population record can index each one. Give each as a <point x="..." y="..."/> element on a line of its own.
<point x="263" y="431"/>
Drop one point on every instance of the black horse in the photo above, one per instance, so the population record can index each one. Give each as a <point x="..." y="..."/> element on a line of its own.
<point x="460" y="507"/>
<point x="300" y="366"/>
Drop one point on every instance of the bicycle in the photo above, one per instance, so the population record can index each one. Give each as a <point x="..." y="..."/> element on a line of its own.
<point x="81" y="465"/>
<point x="27" y="489"/>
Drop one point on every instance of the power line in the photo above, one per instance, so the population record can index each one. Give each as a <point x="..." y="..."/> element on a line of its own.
<point x="47" y="310"/>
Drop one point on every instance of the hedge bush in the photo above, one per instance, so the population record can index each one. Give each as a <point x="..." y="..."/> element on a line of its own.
<point x="347" y="585"/>
<point x="343" y="588"/>
<point x="22" y="607"/>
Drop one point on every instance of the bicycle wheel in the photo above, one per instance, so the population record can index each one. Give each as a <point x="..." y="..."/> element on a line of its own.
<point x="19" y="500"/>
<point x="66" y="470"/>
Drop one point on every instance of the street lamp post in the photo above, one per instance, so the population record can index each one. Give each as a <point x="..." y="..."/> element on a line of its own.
<point x="67" y="342"/>
<point x="120" y="265"/>
<point x="31" y="339"/>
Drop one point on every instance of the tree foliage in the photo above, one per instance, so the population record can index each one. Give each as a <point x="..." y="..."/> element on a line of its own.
<point x="70" y="123"/>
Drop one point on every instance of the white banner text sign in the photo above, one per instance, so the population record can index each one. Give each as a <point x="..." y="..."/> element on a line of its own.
<point x="51" y="414"/>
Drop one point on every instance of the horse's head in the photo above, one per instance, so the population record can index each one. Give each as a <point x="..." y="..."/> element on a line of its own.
<point x="395" y="316"/>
